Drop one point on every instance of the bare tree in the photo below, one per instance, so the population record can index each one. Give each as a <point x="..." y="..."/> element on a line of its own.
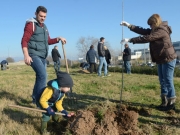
<point x="84" y="44"/>
<point x="116" y="52"/>
<point x="114" y="55"/>
<point x="107" y="44"/>
<point x="10" y="59"/>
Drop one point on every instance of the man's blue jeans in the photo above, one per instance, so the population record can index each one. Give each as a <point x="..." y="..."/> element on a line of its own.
<point x="39" y="66"/>
<point x="57" y="66"/>
<point x="127" y="66"/>
<point x="165" y="73"/>
<point x="102" y="61"/>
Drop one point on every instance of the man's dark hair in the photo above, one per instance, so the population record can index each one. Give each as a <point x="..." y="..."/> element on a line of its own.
<point x="102" y="38"/>
<point x="92" y="46"/>
<point x="41" y="8"/>
<point x="126" y="45"/>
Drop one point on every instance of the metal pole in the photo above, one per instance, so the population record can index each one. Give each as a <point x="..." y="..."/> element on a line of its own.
<point x="122" y="82"/>
<point x="149" y="55"/>
<point x="144" y="54"/>
<point x="33" y="109"/>
<point x="71" y="61"/>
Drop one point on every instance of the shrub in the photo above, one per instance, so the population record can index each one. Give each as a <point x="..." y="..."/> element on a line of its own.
<point x="77" y="65"/>
<point x="144" y="70"/>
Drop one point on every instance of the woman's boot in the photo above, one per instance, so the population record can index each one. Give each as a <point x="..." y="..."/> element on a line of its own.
<point x="170" y="105"/>
<point x="163" y="104"/>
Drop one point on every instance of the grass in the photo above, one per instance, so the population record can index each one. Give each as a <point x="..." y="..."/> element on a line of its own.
<point x="139" y="91"/>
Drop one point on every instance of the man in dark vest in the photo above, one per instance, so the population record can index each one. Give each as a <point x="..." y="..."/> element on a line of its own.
<point x="56" y="56"/>
<point x="35" y="43"/>
<point x="4" y="64"/>
<point x="127" y="58"/>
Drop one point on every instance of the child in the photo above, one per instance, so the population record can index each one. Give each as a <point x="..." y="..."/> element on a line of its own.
<point x="52" y="98"/>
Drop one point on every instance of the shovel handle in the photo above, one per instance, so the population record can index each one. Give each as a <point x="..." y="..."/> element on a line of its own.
<point x="64" y="52"/>
<point x="33" y="109"/>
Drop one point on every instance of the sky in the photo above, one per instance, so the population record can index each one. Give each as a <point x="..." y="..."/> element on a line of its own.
<point x="73" y="19"/>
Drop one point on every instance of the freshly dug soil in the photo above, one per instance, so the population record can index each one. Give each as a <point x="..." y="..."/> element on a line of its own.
<point x="112" y="122"/>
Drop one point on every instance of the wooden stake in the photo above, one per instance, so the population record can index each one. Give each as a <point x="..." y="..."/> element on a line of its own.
<point x="64" y="52"/>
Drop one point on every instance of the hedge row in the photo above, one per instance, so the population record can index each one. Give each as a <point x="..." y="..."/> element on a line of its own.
<point x="134" y="69"/>
<point x="143" y="70"/>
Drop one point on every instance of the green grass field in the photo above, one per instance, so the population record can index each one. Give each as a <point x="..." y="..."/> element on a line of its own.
<point x="140" y="91"/>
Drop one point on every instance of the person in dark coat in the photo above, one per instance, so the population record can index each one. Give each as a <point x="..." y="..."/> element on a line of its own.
<point x="91" y="57"/>
<point x="4" y="64"/>
<point x="56" y="58"/>
<point x="107" y="56"/>
<point x="127" y="58"/>
<point x="162" y="52"/>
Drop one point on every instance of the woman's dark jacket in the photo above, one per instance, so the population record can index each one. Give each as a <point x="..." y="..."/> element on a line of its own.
<point x="107" y="56"/>
<point x="161" y="48"/>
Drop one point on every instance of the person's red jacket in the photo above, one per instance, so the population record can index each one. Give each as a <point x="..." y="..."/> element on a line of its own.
<point x="28" y="32"/>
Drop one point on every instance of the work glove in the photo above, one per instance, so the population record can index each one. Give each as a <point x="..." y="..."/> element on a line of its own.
<point x="125" y="40"/>
<point x="67" y="115"/>
<point x="50" y="111"/>
<point x="123" y="23"/>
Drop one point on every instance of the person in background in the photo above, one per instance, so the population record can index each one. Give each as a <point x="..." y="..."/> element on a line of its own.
<point x="4" y="64"/>
<point x="52" y="97"/>
<point x="47" y="62"/>
<point x="35" y="45"/>
<point x="162" y="53"/>
<point x="56" y="58"/>
<point x="91" y="57"/>
<point x="102" y="60"/>
<point x="127" y="59"/>
<point x="107" y="56"/>
<point x="84" y="65"/>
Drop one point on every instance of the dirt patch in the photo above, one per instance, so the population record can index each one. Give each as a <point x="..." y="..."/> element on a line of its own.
<point x="111" y="122"/>
<point x="142" y="110"/>
<point x="174" y="121"/>
<point x="84" y="123"/>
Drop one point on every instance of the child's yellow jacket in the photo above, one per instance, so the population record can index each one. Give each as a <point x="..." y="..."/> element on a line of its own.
<point x="46" y="95"/>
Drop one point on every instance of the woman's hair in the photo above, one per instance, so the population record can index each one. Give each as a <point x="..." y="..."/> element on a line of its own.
<point x="154" y="19"/>
<point x="105" y="47"/>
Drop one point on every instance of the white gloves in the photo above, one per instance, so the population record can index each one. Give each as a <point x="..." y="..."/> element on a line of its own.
<point x="123" y="23"/>
<point x="125" y="40"/>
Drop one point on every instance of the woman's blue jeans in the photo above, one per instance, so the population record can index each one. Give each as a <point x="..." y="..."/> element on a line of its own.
<point x="166" y="73"/>
<point x="39" y="66"/>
